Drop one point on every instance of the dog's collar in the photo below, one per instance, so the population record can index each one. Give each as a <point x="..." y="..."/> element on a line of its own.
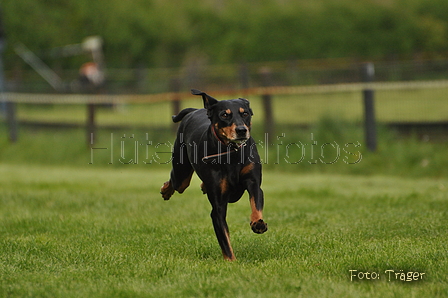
<point x="216" y="135"/>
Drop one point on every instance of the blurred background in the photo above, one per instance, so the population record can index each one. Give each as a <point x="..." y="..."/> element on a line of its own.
<point x="73" y="68"/>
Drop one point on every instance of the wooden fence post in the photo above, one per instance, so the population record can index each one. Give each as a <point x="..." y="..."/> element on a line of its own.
<point x="175" y="101"/>
<point x="11" y="119"/>
<point x="90" y="125"/>
<point x="266" y="81"/>
<point x="368" y="71"/>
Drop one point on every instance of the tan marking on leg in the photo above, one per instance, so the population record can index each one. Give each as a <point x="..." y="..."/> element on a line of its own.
<point x="203" y="188"/>
<point x="224" y="184"/>
<point x="256" y="214"/>
<point x="256" y="222"/>
<point x="167" y="190"/>
<point x="226" y="257"/>
<point x="247" y="168"/>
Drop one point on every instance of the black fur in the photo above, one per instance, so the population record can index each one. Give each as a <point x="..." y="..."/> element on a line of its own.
<point x="215" y="143"/>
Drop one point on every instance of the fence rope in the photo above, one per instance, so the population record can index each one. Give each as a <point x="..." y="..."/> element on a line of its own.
<point x="37" y="98"/>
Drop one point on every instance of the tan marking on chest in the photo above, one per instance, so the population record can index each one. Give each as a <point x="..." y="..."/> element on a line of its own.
<point x="247" y="169"/>
<point x="224" y="185"/>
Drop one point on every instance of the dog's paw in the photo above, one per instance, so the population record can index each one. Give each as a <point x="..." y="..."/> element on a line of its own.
<point x="167" y="190"/>
<point x="259" y="226"/>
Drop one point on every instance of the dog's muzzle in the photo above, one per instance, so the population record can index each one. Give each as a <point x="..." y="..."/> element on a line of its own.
<point x="242" y="134"/>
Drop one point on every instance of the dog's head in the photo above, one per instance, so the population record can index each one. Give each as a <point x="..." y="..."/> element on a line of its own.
<point x="231" y="119"/>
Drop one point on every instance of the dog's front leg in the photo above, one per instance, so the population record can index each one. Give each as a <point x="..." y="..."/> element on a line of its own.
<point x="256" y="199"/>
<point x="218" y="216"/>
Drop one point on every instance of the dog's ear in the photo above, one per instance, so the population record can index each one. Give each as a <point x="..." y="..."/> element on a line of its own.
<point x="208" y="100"/>
<point x="247" y="103"/>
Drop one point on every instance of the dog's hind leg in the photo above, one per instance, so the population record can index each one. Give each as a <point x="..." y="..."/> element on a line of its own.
<point x="167" y="190"/>
<point x="179" y="180"/>
<point x="181" y="172"/>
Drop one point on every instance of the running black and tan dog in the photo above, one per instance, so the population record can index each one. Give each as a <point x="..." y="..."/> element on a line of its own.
<point x="215" y="143"/>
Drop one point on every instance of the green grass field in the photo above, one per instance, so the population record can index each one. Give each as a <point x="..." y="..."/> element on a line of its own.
<point x="106" y="232"/>
<point x="73" y="229"/>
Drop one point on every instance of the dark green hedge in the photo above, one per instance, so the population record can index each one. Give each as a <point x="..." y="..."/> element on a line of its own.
<point x="168" y="33"/>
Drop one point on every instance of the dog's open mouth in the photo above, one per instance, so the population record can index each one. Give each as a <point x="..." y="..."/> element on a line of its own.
<point x="239" y="141"/>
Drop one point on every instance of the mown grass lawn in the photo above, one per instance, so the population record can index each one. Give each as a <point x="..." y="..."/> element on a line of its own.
<point x="106" y="232"/>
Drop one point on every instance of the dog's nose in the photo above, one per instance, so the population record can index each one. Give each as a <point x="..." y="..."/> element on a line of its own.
<point x="241" y="130"/>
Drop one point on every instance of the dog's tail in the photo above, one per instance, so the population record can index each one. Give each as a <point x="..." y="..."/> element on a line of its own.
<point x="182" y="114"/>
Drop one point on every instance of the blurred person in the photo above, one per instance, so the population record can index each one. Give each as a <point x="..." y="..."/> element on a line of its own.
<point x="91" y="77"/>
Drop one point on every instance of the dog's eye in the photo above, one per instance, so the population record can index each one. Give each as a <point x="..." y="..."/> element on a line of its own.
<point x="245" y="114"/>
<point x="224" y="115"/>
